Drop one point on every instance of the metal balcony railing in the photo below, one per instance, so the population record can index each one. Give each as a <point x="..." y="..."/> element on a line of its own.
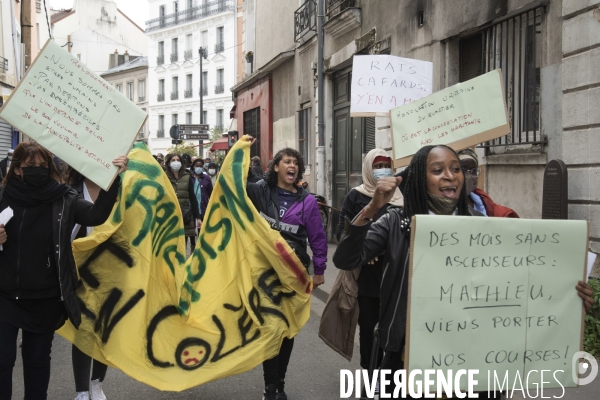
<point x="160" y="60"/>
<point x="187" y="93"/>
<point x="3" y="64"/>
<point x="160" y="97"/>
<point x="175" y="95"/>
<point x="305" y="19"/>
<point x="187" y="55"/>
<point x="160" y="133"/>
<point x="141" y="99"/>
<point x="219" y="89"/>
<point x="191" y="14"/>
<point x="174" y="57"/>
<point x="335" y="7"/>
<point x="219" y="47"/>
<point x="204" y="90"/>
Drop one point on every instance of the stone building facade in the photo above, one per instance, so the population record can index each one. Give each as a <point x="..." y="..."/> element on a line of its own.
<point x="546" y="49"/>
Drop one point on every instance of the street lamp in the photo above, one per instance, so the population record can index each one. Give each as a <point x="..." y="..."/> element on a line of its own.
<point x="203" y="53"/>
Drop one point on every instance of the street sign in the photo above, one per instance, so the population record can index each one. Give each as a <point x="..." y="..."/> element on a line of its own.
<point x="194" y="127"/>
<point x="194" y="136"/>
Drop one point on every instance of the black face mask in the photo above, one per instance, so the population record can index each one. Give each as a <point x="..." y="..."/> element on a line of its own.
<point x="36" y="176"/>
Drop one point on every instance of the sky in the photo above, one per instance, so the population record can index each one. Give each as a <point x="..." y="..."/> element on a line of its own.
<point x="137" y="10"/>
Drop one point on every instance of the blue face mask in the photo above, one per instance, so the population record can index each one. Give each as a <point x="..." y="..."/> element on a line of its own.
<point x="382" y="173"/>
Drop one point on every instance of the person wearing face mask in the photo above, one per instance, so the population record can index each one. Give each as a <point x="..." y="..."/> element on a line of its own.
<point x="5" y="163"/>
<point x="202" y="186"/>
<point x="212" y="170"/>
<point x="38" y="276"/>
<point x="477" y="198"/>
<point x="184" y="189"/>
<point x="337" y="322"/>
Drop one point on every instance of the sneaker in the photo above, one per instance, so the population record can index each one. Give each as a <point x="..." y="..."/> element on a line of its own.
<point x="270" y="392"/>
<point x="82" y="396"/>
<point x="96" y="392"/>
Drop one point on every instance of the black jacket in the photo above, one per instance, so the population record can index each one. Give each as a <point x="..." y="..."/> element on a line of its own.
<point x="369" y="279"/>
<point x="266" y="201"/>
<point x="360" y="244"/>
<point x="67" y="211"/>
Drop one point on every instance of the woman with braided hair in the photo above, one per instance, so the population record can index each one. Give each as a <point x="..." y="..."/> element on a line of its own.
<point x="435" y="184"/>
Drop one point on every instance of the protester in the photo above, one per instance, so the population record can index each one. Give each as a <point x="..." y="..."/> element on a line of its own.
<point x="82" y="363"/>
<point x="212" y="170"/>
<point x="255" y="167"/>
<point x="186" y="160"/>
<point x="161" y="159"/>
<point x="477" y="198"/>
<point x="365" y="280"/>
<point x="37" y="284"/>
<point x="434" y="185"/>
<point x="5" y="163"/>
<point x="291" y="210"/>
<point x="202" y="186"/>
<point x="184" y="188"/>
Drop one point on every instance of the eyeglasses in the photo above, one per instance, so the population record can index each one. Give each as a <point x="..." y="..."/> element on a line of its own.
<point x="474" y="171"/>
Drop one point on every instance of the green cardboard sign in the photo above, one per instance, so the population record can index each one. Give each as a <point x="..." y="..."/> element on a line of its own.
<point x="460" y="116"/>
<point x="496" y="295"/>
<point x="74" y="113"/>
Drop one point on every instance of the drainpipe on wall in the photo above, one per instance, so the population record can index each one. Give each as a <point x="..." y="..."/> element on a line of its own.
<point x="321" y="101"/>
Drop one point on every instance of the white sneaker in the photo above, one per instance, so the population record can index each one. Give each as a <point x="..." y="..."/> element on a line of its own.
<point x="96" y="392"/>
<point x="82" y="396"/>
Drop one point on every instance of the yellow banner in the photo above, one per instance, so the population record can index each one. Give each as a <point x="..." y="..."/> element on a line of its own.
<point x="175" y="324"/>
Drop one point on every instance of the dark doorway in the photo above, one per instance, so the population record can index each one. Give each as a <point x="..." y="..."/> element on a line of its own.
<point x="252" y="128"/>
<point x="352" y="137"/>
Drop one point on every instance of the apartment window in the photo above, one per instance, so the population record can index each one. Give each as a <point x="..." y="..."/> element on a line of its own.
<point x="175" y="88"/>
<point x="514" y="45"/>
<point x="219" y="122"/>
<point x="130" y="91"/>
<point x="204" y="83"/>
<point x="190" y="4"/>
<point x="188" y="117"/>
<point x="39" y="40"/>
<point x="142" y="90"/>
<point x="161" y="14"/>
<point x="220" y="45"/>
<point x="204" y="117"/>
<point x="188" y="54"/>
<point x="188" y="85"/>
<point x="161" y="90"/>
<point x="160" y="59"/>
<point x="204" y="39"/>
<point x="304" y="133"/>
<point x="119" y="88"/>
<point x="161" y="126"/>
<point x="175" y="7"/>
<point x="220" y="87"/>
<point x="79" y="57"/>
<point x="174" y="119"/>
<point x="174" y="50"/>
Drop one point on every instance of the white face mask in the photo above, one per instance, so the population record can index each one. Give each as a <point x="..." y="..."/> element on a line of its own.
<point x="198" y="170"/>
<point x="381" y="173"/>
<point x="212" y="171"/>
<point x="175" y="165"/>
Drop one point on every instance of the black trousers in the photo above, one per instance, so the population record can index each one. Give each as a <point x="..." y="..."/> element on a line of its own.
<point x="82" y="364"/>
<point x="368" y="317"/>
<point x="192" y="242"/>
<point x="36" y="361"/>
<point x="274" y="369"/>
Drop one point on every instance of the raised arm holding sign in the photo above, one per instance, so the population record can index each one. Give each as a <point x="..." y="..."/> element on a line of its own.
<point x="74" y="113"/>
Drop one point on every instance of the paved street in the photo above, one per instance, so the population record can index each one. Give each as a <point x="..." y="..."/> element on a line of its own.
<point x="313" y="373"/>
